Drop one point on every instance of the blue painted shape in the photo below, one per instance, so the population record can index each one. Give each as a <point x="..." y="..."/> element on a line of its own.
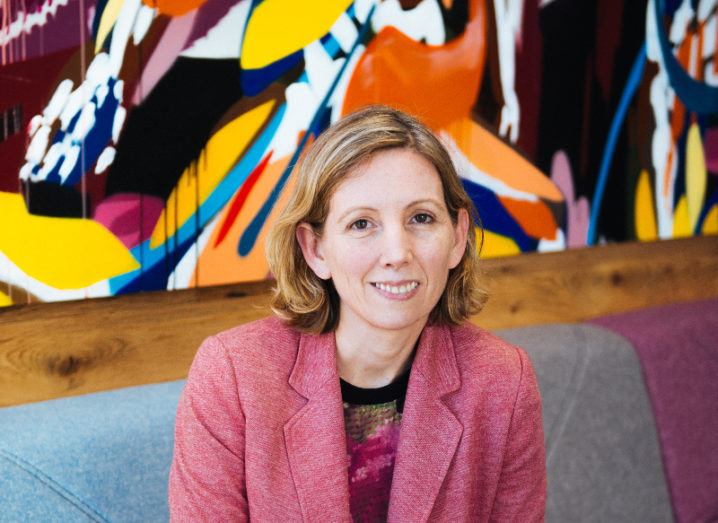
<point x="696" y="96"/>
<point x="99" y="9"/>
<point x="495" y="218"/>
<point x="710" y="202"/>
<point x="150" y="258"/>
<point x="250" y="234"/>
<point x="156" y="276"/>
<point x="331" y="46"/>
<point x="254" y="81"/>
<point x="98" y="137"/>
<point x="634" y="80"/>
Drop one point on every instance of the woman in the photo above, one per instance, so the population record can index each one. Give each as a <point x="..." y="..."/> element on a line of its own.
<point x="367" y="396"/>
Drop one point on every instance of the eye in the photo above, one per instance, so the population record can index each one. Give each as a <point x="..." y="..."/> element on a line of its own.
<point x="360" y="225"/>
<point x="423" y="218"/>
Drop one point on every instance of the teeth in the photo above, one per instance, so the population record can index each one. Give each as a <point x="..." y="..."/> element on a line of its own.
<point x="400" y="289"/>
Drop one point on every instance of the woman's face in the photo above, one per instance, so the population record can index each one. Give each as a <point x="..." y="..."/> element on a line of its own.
<point x="388" y="242"/>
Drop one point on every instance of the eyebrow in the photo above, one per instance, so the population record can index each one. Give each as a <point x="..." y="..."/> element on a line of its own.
<point x="409" y="205"/>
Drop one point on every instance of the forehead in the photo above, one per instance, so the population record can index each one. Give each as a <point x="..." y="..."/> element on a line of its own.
<point x="394" y="176"/>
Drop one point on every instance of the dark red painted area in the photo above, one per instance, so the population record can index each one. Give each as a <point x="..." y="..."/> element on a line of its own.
<point x="29" y="84"/>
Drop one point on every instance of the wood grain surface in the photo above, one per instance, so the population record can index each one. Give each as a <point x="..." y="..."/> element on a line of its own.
<point x="63" y="349"/>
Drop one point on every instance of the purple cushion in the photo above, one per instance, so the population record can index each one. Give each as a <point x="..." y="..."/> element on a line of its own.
<point x="677" y="346"/>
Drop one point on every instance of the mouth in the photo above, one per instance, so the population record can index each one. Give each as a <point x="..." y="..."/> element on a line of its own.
<point x="397" y="290"/>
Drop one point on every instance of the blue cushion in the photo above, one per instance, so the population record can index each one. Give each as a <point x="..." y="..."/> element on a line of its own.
<point x="97" y="457"/>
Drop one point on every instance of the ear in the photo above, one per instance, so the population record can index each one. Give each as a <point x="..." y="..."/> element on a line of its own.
<point x="311" y="249"/>
<point x="461" y="233"/>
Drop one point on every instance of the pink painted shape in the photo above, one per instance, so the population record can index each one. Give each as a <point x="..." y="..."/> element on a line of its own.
<point x="577" y="211"/>
<point x="129" y="216"/>
<point x="172" y="43"/>
<point x="710" y="148"/>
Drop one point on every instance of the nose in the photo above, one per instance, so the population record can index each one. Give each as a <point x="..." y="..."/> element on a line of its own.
<point x="397" y="249"/>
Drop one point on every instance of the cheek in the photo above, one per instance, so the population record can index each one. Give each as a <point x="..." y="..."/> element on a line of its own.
<point x="350" y="264"/>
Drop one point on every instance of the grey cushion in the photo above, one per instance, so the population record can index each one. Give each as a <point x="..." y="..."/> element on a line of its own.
<point x="602" y="450"/>
<point x="99" y="457"/>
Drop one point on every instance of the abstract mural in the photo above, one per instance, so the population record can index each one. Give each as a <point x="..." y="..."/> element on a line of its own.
<point x="149" y="144"/>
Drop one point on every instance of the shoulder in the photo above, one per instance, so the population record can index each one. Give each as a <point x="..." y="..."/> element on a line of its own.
<point x="266" y="344"/>
<point x="480" y="351"/>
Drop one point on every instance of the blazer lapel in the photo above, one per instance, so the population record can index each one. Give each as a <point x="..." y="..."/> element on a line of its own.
<point x="315" y="437"/>
<point x="430" y="432"/>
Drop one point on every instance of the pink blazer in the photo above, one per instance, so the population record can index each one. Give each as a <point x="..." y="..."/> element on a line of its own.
<point x="260" y="431"/>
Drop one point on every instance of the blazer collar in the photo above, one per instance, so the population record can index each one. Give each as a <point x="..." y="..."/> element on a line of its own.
<point x="316" y="440"/>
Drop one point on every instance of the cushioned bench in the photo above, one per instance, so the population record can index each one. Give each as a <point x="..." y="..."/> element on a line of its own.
<point x="106" y="456"/>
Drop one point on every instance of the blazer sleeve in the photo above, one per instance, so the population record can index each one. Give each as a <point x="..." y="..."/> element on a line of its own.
<point x="521" y="493"/>
<point x="206" y="480"/>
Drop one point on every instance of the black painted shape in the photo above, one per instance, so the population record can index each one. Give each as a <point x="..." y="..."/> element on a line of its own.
<point x="50" y="199"/>
<point x="171" y="127"/>
<point x="455" y="18"/>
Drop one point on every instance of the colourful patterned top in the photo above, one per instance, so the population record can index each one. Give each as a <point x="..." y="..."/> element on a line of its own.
<point x="372" y="418"/>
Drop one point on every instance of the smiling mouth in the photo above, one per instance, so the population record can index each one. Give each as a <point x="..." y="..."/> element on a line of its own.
<point x="399" y="289"/>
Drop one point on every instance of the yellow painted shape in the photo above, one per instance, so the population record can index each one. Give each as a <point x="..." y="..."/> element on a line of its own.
<point x="497" y="159"/>
<point x="710" y="225"/>
<point x="496" y="245"/>
<point x="278" y="28"/>
<point x="222" y="264"/>
<point x="644" y="212"/>
<point x="107" y="22"/>
<point x="65" y="253"/>
<point x="5" y="300"/>
<point x="696" y="174"/>
<point x="681" y="219"/>
<point x="220" y="154"/>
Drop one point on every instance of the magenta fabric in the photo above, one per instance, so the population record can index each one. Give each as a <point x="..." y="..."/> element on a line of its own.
<point x="372" y="439"/>
<point x="260" y="431"/>
<point x="677" y="346"/>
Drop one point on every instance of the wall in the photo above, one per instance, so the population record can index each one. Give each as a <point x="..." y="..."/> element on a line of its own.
<point x="148" y="144"/>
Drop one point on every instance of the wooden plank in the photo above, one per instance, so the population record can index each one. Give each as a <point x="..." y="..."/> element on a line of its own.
<point x="63" y="349"/>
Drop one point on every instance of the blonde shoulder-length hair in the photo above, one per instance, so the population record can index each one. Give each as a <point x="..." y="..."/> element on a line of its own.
<point x="312" y="304"/>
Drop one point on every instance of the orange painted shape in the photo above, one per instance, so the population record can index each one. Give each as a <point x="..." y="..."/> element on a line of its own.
<point x="220" y="264"/>
<point x="436" y="83"/>
<point x="535" y="218"/>
<point x="174" y="7"/>
<point x="494" y="157"/>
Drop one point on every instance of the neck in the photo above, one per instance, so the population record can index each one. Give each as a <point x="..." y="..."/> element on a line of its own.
<point x="373" y="358"/>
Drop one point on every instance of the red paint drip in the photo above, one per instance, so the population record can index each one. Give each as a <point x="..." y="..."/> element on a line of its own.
<point x="241" y="198"/>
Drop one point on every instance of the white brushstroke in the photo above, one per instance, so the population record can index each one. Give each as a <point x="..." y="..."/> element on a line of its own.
<point x="181" y="277"/>
<point x="85" y="122"/>
<point x="71" y="157"/>
<point x="544" y="3"/>
<point x="224" y="40"/>
<point x="38" y="145"/>
<point x="35" y="123"/>
<point x="15" y="276"/>
<point x="26" y="22"/>
<point x="105" y="159"/>
<point x="681" y="19"/>
<point x="344" y="32"/>
<point x="321" y="70"/>
<point x="25" y="171"/>
<point x="705" y="9"/>
<point x="469" y="171"/>
<point x="555" y="245"/>
<point x="73" y="106"/>
<point x="301" y="105"/>
<point x="101" y="94"/>
<point x="118" y="90"/>
<point x="423" y="23"/>
<point x="336" y="102"/>
<point x="508" y="25"/>
<point x="57" y="102"/>
<point x="51" y="158"/>
<point x="118" y="122"/>
<point x="362" y="8"/>
<point x="120" y="35"/>
<point x="142" y="23"/>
